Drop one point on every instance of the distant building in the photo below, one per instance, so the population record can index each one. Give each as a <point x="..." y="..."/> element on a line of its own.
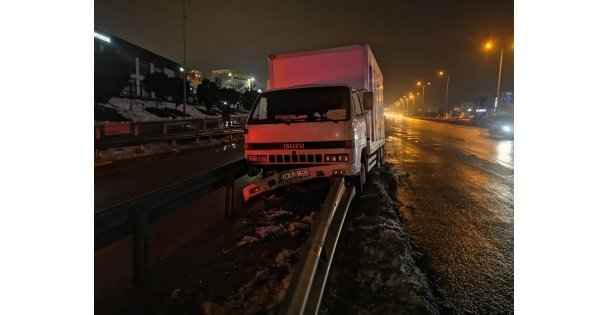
<point x="226" y="78"/>
<point x="507" y="97"/>
<point x="506" y="103"/>
<point x="485" y="102"/>
<point x="466" y="106"/>
<point x="143" y="61"/>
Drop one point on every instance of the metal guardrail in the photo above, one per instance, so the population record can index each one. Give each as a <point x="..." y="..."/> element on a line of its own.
<point x="164" y="127"/>
<point x="307" y="285"/>
<point x="134" y="141"/>
<point x="135" y="216"/>
<point x="457" y="122"/>
<point x="119" y="134"/>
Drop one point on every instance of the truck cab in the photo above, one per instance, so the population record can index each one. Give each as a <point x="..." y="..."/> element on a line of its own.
<point x="313" y="123"/>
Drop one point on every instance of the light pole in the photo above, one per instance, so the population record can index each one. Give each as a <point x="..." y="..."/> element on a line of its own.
<point x="184" y="69"/>
<point x="498" y="84"/>
<point x="447" y="87"/>
<point x="413" y="98"/>
<point x="423" y="85"/>
<point x="489" y="45"/>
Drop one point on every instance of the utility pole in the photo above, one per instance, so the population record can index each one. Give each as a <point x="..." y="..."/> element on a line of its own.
<point x="422" y="105"/>
<point x="447" y="87"/>
<point x="185" y="68"/>
<point x="498" y="84"/>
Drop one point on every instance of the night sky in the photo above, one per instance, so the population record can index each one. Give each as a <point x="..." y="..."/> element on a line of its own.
<point x="411" y="40"/>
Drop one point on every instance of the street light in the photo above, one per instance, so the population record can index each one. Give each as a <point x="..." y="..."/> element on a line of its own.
<point x="413" y="98"/>
<point x="183" y="71"/>
<point x="489" y="45"/>
<point x="447" y="87"/>
<point x="423" y="85"/>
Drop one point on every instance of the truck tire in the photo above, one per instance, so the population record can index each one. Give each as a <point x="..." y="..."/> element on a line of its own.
<point x="362" y="178"/>
<point x="253" y="171"/>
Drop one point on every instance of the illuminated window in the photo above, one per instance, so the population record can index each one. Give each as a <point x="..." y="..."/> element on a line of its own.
<point x="261" y="111"/>
<point x="357" y="109"/>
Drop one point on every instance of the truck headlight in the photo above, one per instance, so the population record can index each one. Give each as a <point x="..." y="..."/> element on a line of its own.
<point x="336" y="158"/>
<point x="257" y="158"/>
<point x="330" y="158"/>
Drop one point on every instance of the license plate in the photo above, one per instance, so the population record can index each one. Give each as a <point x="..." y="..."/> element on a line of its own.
<point x="294" y="174"/>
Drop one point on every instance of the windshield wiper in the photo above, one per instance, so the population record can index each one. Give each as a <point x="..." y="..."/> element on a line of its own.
<point x="285" y="121"/>
<point x="323" y="118"/>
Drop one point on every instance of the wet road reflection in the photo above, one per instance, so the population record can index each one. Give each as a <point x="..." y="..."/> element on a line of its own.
<point x="458" y="197"/>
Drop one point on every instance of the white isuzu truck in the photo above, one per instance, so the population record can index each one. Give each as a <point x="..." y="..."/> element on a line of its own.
<point x="323" y="115"/>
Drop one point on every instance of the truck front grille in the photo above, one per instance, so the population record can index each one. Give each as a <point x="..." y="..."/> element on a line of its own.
<point x="294" y="158"/>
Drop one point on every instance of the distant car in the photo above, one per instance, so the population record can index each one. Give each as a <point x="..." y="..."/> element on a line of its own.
<point x="502" y="126"/>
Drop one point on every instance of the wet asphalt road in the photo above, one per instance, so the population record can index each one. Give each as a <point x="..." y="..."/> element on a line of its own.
<point x="457" y="188"/>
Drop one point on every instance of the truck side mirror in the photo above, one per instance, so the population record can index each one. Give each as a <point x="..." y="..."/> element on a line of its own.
<point x="368" y="101"/>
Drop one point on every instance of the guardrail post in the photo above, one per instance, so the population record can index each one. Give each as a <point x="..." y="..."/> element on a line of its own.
<point x="197" y="141"/>
<point x="229" y="194"/>
<point x="97" y="133"/>
<point x="219" y="122"/>
<point x="140" y="248"/>
<point x="173" y="144"/>
<point x="164" y="129"/>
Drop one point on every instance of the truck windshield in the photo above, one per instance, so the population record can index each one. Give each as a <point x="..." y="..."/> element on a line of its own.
<point x="302" y="105"/>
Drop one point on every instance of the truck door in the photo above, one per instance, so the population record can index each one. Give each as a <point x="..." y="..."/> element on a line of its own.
<point x="372" y="119"/>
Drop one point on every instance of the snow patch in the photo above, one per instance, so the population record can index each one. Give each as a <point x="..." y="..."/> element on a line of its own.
<point x="260" y="295"/>
<point x="151" y="149"/>
<point x="296" y="228"/>
<point x="379" y="260"/>
<point x="271" y="230"/>
<point x="247" y="240"/>
<point x="135" y="109"/>
<point x="309" y="219"/>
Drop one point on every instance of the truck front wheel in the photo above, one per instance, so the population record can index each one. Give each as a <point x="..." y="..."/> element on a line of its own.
<point x="253" y="171"/>
<point x="362" y="178"/>
<point x="380" y="157"/>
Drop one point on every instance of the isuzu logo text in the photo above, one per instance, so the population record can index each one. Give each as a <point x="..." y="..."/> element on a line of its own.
<point x="293" y="146"/>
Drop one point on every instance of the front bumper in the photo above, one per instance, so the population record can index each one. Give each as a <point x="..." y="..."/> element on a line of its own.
<point x="277" y="180"/>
